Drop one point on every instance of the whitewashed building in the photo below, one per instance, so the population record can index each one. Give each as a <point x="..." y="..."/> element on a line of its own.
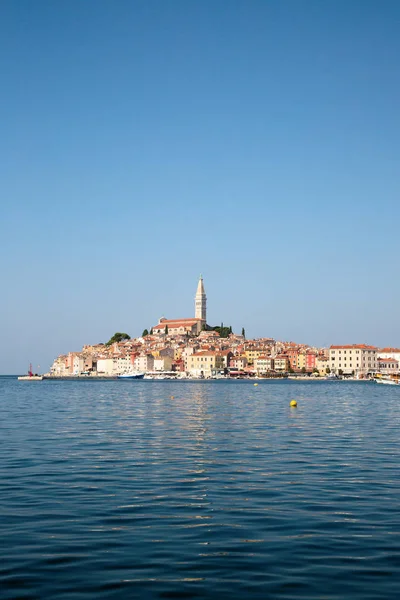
<point x="359" y="359"/>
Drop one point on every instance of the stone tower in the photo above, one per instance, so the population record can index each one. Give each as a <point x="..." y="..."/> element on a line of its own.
<point x="201" y="302"/>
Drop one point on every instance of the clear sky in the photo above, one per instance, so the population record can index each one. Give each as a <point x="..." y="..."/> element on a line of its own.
<point x="143" y="142"/>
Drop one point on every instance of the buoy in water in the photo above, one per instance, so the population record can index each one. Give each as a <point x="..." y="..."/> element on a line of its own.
<point x="293" y="403"/>
<point x="172" y="397"/>
<point x="256" y="384"/>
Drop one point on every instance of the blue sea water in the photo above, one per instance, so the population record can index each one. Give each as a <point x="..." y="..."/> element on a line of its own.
<point x="146" y="489"/>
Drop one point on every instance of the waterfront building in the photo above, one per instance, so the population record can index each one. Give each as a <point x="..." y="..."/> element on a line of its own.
<point x="59" y="367"/>
<point x="357" y="359"/>
<point x="281" y="363"/>
<point x="322" y="364"/>
<point x="123" y="363"/>
<point x="263" y="365"/>
<point x="163" y="363"/>
<point x="238" y="362"/>
<point x="388" y="366"/>
<point x="293" y="357"/>
<point x="201" y="364"/>
<point x="107" y="366"/>
<point x="301" y="360"/>
<point x="144" y="363"/>
<point x="390" y="353"/>
<point x="311" y="360"/>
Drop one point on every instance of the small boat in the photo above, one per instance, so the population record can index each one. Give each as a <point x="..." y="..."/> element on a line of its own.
<point x="386" y="381"/>
<point x="131" y="375"/>
<point x="31" y="376"/>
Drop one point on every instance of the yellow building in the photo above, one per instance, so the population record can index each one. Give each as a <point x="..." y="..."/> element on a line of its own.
<point x="322" y="363"/>
<point x="301" y="360"/>
<point x="201" y="364"/>
<point x="281" y="363"/>
<point x="253" y="353"/>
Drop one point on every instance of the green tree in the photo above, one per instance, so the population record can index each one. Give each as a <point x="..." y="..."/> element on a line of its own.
<point x="243" y="333"/>
<point x="303" y="369"/>
<point x="340" y="371"/>
<point x="166" y="330"/>
<point x="223" y="331"/>
<point x="327" y="370"/>
<point x="230" y="330"/>
<point x="118" y="337"/>
<point x="145" y="332"/>
<point x="151" y="331"/>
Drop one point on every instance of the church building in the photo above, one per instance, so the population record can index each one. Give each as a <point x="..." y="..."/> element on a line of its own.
<point x="193" y="325"/>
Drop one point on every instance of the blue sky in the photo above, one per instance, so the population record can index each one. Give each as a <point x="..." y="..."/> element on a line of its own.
<point x="144" y="142"/>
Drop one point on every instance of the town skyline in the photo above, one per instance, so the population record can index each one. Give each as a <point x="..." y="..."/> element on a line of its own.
<point x="193" y="326"/>
<point x="190" y="347"/>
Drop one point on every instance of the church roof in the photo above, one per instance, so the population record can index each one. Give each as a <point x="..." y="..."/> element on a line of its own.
<point x="173" y="323"/>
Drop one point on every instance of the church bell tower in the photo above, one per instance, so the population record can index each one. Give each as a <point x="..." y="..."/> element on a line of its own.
<point x="201" y="302"/>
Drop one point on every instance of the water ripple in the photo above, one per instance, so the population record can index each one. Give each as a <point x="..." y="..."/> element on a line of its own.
<point x="116" y="490"/>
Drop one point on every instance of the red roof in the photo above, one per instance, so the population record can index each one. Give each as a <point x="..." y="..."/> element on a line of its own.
<point x="177" y="323"/>
<point x="389" y="350"/>
<point x="350" y="346"/>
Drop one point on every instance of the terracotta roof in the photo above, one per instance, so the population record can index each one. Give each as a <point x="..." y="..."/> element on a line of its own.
<point x="359" y="346"/>
<point x="208" y="353"/>
<point x="177" y="323"/>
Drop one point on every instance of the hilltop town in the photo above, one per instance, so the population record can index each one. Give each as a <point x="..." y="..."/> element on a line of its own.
<point x="189" y="348"/>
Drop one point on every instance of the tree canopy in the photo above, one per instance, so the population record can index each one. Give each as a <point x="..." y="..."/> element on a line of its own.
<point x="118" y="337"/>
<point x="145" y="332"/>
<point x="223" y="331"/>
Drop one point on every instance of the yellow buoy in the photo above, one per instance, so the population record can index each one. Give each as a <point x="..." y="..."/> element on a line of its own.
<point x="172" y="397"/>
<point x="293" y="403"/>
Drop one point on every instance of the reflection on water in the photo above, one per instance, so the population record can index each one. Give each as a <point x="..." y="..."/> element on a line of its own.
<point x="165" y="490"/>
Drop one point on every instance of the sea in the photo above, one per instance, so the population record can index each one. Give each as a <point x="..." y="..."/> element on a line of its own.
<point x="201" y="489"/>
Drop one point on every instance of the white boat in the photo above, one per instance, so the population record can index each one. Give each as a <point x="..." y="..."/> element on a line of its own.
<point x="31" y="376"/>
<point x="386" y="381"/>
<point x="131" y="375"/>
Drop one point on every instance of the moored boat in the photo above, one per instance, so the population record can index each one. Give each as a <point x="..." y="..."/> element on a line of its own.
<point x="31" y="376"/>
<point x="386" y="381"/>
<point x="131" y="375"/>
